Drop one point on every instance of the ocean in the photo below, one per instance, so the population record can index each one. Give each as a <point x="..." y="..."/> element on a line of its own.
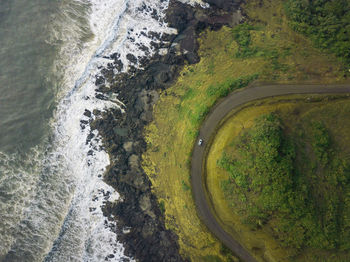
<point x="51" y="177"/>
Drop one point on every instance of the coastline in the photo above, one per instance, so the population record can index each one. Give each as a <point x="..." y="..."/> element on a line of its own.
<point x="140" y="221"/>
<point x="115" y="95"/>
<point x="230" y="58"/>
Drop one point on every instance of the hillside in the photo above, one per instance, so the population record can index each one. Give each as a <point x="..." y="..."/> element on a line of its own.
<point x="282" y="166"/>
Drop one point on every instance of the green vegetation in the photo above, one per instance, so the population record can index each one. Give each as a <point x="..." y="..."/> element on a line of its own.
<point x="327" y="23"/>
<point x="289" y="176"/>
<point x="214" y="91"/>
<point x="223" y="89"/>
<point x="320" y="143"/>
<point x="161" y="206"/>
<point x="264" y="48"/>
<point x="241" y="34"/>
<point x="261" y="173"/>
<point x="265" y="184"/>
<point x="185" y="187"/>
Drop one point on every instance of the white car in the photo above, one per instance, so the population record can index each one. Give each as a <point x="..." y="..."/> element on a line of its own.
<point x="200" y="142"/>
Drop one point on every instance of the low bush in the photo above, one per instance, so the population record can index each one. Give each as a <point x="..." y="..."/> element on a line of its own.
<point x="327" y="23"/>
<point x="304" y="206"/>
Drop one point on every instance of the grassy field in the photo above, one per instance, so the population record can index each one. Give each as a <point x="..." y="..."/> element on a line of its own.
<point x="297" y="112"/>
<point x="267" y="50"/>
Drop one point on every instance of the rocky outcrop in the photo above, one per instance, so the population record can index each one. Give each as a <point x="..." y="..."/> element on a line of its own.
<point x="140" y="221"/>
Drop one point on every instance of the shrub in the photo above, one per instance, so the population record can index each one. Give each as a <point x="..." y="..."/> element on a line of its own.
<point x="241" y="34"/>
<point x="327" y="23"/>
<point x="308" y="206"/>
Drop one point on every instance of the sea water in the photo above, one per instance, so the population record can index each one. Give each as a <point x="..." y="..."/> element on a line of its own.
<point x="51" y="178"/>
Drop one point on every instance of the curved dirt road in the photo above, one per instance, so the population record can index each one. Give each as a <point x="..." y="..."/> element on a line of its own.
<point x="208" y="129"/>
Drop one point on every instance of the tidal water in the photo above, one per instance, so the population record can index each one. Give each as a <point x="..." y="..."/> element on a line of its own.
<point x="51" y="179"/>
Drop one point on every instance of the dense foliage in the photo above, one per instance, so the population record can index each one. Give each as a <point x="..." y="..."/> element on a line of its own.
<point x="299" y="190"/>
<point x="241" y="34"/>
<point x="226" y="87"/>
<point x="326" y="22"/>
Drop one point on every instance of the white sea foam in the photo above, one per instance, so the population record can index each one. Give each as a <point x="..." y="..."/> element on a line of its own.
<point x="58" y="216"/>
<point x="17" y="186"/>
<point x="195" y="2"/>
<point x="134" y="27"/>
<point x="90" y="229"/>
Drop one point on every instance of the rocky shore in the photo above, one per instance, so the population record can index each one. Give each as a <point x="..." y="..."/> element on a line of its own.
<point x="140" y="221"/>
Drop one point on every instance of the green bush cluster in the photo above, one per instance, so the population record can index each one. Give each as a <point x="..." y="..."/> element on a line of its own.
<point x="226" y="87"/>
<point x="326" y="22"/>
<point x="241" y="34"/>
<point x="262" y="171"/>
<point x="246" y="49"/>
<point x="162" y="206"/>
<point x="321" y="142"/>
<point x="272" y="183"/>
<point x="215" y="91"/>
<point x="185" y="186"/>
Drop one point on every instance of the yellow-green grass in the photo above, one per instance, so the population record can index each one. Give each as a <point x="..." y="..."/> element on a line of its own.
<point x="333" y="111"/>
<point x="181" y="108"/>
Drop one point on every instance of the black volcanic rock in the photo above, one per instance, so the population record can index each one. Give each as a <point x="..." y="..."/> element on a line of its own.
<point x="131" y="58"/>
<point x="141" y="226"/>
<point x="227" y="5"/>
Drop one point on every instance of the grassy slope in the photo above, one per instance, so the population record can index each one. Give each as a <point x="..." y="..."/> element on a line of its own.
<point x="280" y="54"/>
<point x="327" y="23"/>
<point x="332" y="113"/>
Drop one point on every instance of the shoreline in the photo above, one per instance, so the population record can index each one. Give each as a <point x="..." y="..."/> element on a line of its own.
<point x="140" y="222"/>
